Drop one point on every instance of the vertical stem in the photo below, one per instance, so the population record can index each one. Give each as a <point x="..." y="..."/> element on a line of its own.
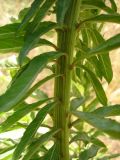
<point x="66" y="43"/>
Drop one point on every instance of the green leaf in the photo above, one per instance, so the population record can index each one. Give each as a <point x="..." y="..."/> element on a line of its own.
<point x="113" y="5"/>
<point x="36" y="145"/>
<point x="97" y="86"/>
<point x="33" y="38"/>
<point x="82" y="136"/>
<point x="52" y="154"/>
<point x="62" y="7"/>
<point x="40" y="15"/>
<point x="32" y="129"/>
<point x="108" y="111"/>
<point x="89" y="153"/>
<point x="16" y="116"/>
<point x="30" y="14"/>
<point x="21" y="85"/>
<point x="98" y="4"/>
<point x="113" y="18"/>
<point x="76" y="102"/>
<point x="8" y="30"/>
<point x="104" y="59"/>
<point x="108" y="45"/>
<point x="12" y="44"/>
<point x="108" y="126"/>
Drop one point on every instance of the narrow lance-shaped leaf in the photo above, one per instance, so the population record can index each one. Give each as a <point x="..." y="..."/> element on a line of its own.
<point x="89" y="153"/>
<point x="52" y="154"/>
<point x="113" y="5"/>
<point x="33" y="38"/>
<point x="62" y="7"/>
<point x="108" y="111"/>
<point x="40" y="15"/>
<point x="97" y="86"/>
<point x="108" y="45"/>
<point x="10" y="42"/>
<point x="30" y="14"/>
<point x="113" y="18"/>
<point x="98" y="4"/>
<point x="111" y="127"/>
<point x="104" y="59"/>
<point x="20" y="87"/>
<point x="82" y="136"/>
<point x="36" y="145"/>
<point x="16" y="116"/>
<point x="32" y="129"/>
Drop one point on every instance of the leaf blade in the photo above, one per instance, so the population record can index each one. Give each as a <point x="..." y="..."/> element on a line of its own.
<point x="32" y="129"/>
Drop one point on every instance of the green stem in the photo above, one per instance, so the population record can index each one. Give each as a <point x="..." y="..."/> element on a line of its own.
<point x="66" y="43"/>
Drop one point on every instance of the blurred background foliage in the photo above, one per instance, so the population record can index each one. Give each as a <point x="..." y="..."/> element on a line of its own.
<point x="9" y="10"/>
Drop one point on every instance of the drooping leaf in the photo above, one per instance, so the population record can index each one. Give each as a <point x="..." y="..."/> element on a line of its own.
<point x="97" y="86"/>
<point x="30" y="14"/>
<point x="62" y="7"/>
<point x="33" y="38"/>
<point x="22" y="84"/>
<point x="16" y="116"/>
<point x="113" y="18"/>
<point x="89" y="153"/>
<point x="104" y="59"/>
<point x="108" y="45"/>
<point x="108" y="111"/>
<point x="111" y="127"/>
<point x="98" y="4"/>
<point x="36" y="145"/>
<point x="32" y="129"/>
<point x="40" y="15"/>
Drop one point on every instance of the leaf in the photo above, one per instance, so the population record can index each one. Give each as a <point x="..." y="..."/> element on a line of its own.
<point x="76" y="102"/>
<point x="20" y="87"/>
<point x="108" y="111"/>
<point x="89" y="153"/>
<point x="12" y="44"/>
<point x="108" y="126"/>
<point x="36" y="145"/>
<point x="16" y="116"/>
<point x="113" y="18"/>
<point x="104" y="59"/>
<point x="32" y="129"/>
<point x="98" y="4"/>
<point x="40" y="15"/>
<point x="83" y="136"/>
<point x="97" y="86"/>
<point x="108" y="45"/>
<point x="62" y="7"/>
<point x="113" y="4"/>
<point x="30" y="14"/>
<point x="8" y="30"/>
<point x="52" y="154"/>
<point x="33" y="38"/>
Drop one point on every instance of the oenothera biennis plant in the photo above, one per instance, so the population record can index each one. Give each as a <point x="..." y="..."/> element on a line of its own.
<point x="80" y="61"/>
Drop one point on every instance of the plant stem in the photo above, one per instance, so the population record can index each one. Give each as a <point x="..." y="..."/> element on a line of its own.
<point x="66" y="43"/>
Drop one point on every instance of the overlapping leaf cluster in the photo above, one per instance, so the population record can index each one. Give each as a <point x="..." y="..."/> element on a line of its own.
<point x="91" y="65"/>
